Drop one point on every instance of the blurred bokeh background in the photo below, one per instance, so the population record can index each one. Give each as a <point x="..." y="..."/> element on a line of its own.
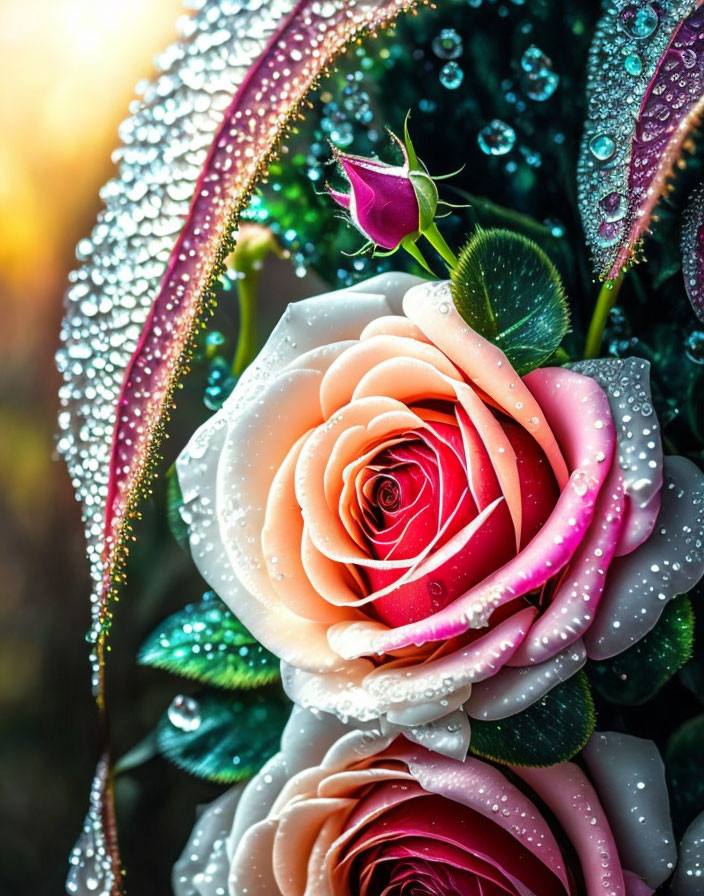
<point x="69" y="70"/>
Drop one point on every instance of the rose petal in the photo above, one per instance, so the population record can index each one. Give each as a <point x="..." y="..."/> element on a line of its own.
<point x="204" y="862"/>
<point x="513" y="689"/>
<point x="569" y="795"/>
<point x="577" y="409"/>
<point x="349" y="368"/>
<point x="629" y="775"/>
<point x="573" y="605"/>
<point x="263" y="614"/>
<point x="481" y="787"/>
<point x="448" y="736"/>
<point x="689" y="877"/>
<point x="627" y="383"/>
<point x="639" y="585"/>
<point x="430" y="307"/>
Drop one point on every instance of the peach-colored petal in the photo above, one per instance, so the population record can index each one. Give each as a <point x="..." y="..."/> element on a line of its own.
<point x="394" y="325"/>
<point x="298" y="828"/>
<point x="281" y="544"/>
<point x="382" y="417"/>
<point x="285" y="633"/>
<point x="363" y="357"/>
<point x="431" y="308"/>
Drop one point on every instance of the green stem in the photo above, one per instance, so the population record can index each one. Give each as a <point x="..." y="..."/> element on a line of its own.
<point x="247" y="338"/>
<point x="604" y="303"/>
<point x="437" y="241"/>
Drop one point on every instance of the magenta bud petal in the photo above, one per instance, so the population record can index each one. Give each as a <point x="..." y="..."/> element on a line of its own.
<point x="383" y="202"/>
<point x="342" y="199"/>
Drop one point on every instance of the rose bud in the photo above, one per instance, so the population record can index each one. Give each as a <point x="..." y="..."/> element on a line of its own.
<point x="392" y="205"/>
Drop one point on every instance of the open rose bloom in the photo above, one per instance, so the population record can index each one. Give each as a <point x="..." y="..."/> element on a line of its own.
<point x="342" y="811"/>
<point x="420" y="533"/>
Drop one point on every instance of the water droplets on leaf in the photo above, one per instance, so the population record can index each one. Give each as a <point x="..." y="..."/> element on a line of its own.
<point x="184" y="713"/>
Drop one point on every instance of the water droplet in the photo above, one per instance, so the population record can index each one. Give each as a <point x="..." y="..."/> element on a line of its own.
<point x="694" y="346"/>
<point x="633" y="63"/>
<point x="614" y="206"/>
<point x="451" y="75"/>
<point x="448" y="44"/>
<point x="640" y="22"/>
<point x="539" y="79"/>
<point x="602" y="147"/>
<point x="497" y="138"/>
<point x="184" y="713"/>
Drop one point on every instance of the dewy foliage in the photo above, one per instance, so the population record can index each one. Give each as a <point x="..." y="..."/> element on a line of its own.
<point x="206" y="642"/>
<point x="550" y="731"/>
<point x="637" y="674"/>
<point x="509" y="291"/>
<point x="236" y="735"/>
<point x="645" y="90"/>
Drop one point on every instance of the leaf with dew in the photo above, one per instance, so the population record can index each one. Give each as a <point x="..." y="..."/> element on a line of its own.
<point x="651" y="52"/>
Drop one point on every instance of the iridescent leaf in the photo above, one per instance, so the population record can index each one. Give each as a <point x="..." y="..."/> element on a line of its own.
<point x="223" y="737"/>
<point x="196" y="144"/>
<point x="207" y="642"/>
<point x="693" y="251"/>
<point x="550" y="731"/>
<point x="645" y="96"/>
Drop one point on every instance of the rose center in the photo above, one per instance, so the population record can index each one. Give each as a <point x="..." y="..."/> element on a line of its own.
<point x="387" y="494"/>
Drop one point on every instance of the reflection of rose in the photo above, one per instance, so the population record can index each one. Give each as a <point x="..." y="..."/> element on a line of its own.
<point x="339" y="812"/>
<point x="391" y="509"/>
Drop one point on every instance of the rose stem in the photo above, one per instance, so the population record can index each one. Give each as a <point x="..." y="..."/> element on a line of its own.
<point x="604" y="303"/>
<point x="247" y="337"/>
<point x="437" y="241"/>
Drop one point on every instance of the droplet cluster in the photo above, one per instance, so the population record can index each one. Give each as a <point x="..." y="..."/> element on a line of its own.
<point x="630" y="144"/>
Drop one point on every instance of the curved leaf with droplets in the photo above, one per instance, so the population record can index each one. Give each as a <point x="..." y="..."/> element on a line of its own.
<point x="192" y="151"/>
<point x="651" y="51"/>
<point x="195" y="145"/>
<point x="693" y="251"/>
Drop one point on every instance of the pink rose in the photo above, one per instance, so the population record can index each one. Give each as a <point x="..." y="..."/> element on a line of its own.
<point x="341" y="812"/>
<point x="400" y="517"/>
<point x="387" y="203"/>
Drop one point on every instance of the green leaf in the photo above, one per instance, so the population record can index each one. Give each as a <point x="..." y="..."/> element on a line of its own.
<point x="207" y="642"/>
<point x="637" y="674"/>
<point x="509" y="291"/>
<point x="552" y="730"/>
<point x="223" y="737"/>
<point x="174" y="503"/>
<point x="684" y="766"/>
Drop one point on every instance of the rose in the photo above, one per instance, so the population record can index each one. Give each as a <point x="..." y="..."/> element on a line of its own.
<point x="387" y="203"/>
<point x="400" y="517"/>
<point x="339" y="811"/>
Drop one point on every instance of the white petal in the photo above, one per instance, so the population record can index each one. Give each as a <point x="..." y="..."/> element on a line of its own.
<point x="630" y="779"/>
<point x="513" y="689"/>
<point x="204" y="865"/>
<point x="670" y="562"/>
<point x="627" y="384"/>
<point x="689" y="877"/>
